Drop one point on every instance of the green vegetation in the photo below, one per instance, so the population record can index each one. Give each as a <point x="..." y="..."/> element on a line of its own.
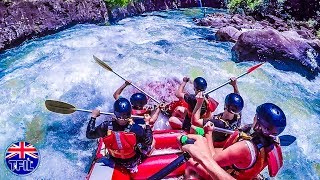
<point x="250" y="5"/>
<point x="318" y="34"/>
<point x="311" y="23"/>
<point x="117" y="3"/>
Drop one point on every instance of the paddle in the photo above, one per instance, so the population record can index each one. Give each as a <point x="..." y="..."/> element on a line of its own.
<point x="248" y="71"/>
<point x="285" y="140"/>
<point x="170" y="167"/>
<point x="105" y="66"/>
<point x="65" y="108"/>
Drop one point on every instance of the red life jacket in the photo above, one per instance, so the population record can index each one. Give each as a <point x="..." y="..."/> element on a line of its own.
<point x="121" y="144"/>
<point x="211" y="107"/>
<point x="172" y="106"/>
<point x="213" y="104"/>
<point x="140" y="112"/>
<point x="270" y="156"/>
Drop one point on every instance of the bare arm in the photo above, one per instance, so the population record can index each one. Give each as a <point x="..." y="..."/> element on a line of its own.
<point x="155" y="115"/>
<point x="234" y="85"/>
<point x="195" y="119"/>
<point x="179" y="92"/>
<point x="208" y="129"/>
<point x="214" y="170"/>
<point x="117" y="93"/>
<point x="200" y="152"/>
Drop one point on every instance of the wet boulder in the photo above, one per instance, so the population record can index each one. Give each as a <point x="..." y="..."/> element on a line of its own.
<point x="228" y="33"/>
<point x="270" y="44"/>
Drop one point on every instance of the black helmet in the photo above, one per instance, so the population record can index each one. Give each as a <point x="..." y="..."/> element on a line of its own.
<point x="138" y="99"/>
<point x="272" y="118"/>
<point x="234" y="103"/>
<point x="200" y="84"/>
<point x="122" y="108"/>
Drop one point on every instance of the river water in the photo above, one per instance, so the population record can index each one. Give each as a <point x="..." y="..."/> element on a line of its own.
<point x="155" y="51"/>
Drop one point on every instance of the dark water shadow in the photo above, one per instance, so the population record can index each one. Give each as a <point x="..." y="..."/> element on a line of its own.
<point x="288" y="66"/>
<point x="63" y="134"/>
<point x="294" y="67"/>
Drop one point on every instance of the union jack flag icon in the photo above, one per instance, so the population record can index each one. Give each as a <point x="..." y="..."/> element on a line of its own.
<point x="22" y="158"/>
<point x="22" y="149"/>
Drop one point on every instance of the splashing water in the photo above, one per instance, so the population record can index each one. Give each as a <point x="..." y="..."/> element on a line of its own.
<point x="155" y="51"/>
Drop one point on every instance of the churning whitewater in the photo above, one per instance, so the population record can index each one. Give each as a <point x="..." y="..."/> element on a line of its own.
<point x="155" y="51"/>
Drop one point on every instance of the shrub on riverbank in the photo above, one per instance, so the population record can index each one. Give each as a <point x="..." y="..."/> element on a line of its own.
<point x="117" y="3"/>
<point x="246" y="5"/>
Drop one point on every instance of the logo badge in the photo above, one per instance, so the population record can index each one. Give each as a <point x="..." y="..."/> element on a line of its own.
<point x="22" y="158"/>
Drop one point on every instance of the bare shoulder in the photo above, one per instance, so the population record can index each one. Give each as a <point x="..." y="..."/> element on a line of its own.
<point x="238" y="153"/>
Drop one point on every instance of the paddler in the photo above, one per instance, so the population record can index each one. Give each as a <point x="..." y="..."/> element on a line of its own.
<point x="181" y="116"/>
<point x="243" y="156"/>
<point x="139" y="102"/>
<point x="230" y="118"/>
<point x="127" y="143"/>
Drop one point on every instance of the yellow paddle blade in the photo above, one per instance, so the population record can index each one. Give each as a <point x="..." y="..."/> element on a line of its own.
<point x="101" y="63"/>
<point x="59" y="107"/>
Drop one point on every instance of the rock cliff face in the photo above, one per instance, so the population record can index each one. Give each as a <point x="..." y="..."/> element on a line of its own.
<point x="138" y="7"/>
<point x="23" y="20"/>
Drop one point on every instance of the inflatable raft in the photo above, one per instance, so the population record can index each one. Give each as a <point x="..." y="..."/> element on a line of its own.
<point x="166" y="151"/>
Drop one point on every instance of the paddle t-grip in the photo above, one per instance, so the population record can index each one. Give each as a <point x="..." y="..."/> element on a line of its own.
<point x="185" y="140"/>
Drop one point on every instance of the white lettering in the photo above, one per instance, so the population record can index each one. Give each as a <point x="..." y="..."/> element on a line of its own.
<point x="25" y="165"/>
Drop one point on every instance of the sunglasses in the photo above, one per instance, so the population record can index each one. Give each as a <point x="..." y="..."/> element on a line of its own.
<point x="232" y="110"/>
<point x="123" y="119"/>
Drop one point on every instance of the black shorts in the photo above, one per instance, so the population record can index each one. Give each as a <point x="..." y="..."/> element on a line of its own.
<point x="128" y="163"/>
<point x="217" y="136"/>
<point x="186" y="123"/>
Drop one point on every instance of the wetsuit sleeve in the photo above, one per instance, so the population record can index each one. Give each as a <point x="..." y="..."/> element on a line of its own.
<point x="149" y="135"/>
<point x="96" y="132"/>
<point x="191" y="101"/>
<point x="144" y="135"/>
<point x="188" y="98"/>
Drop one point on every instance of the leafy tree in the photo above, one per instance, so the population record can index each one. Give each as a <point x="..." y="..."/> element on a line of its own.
<point x="117" y="3"/>
<point x="246" y="5"/>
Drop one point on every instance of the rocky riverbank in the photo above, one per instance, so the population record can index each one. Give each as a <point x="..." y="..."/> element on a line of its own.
<point x="267" y="40"/>
<point x="24" y="20"/>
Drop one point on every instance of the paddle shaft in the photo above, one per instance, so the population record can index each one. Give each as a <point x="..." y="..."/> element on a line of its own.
<point x="248" y="71"/>
<point x="227" y="131"/>
<point x="171" y="167"/>
<point x="138" y="88"/>
<point x="206" y="93"/>
<point x="106" y="113"/>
